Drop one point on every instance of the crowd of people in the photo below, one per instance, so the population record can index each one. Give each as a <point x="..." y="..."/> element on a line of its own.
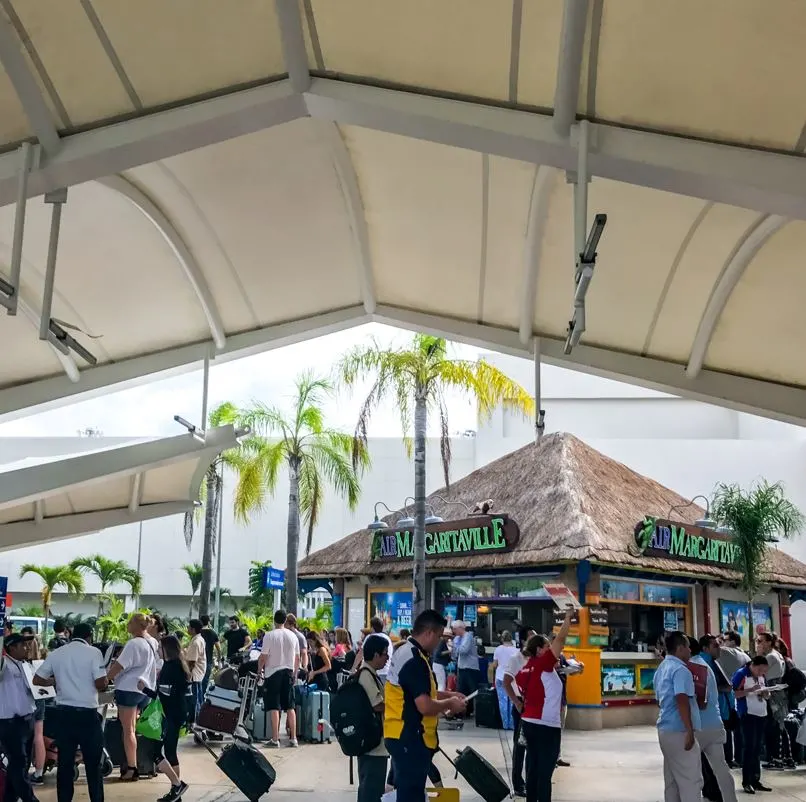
<point x="720" y="709"/>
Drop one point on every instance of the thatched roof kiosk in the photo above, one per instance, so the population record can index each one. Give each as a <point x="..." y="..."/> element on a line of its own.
<point x="572" y="503"/>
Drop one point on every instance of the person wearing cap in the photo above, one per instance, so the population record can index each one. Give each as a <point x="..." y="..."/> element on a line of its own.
<point x="16" y="719"/>
<point x="466" y="655"/>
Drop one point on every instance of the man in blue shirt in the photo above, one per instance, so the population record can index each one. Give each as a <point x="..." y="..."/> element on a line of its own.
<point x="466" y="655"/>
<point x="678" y="720"/>
<point x="711" y="737"/>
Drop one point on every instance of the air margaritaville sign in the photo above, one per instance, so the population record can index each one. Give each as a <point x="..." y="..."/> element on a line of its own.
<point x="657" y="537"/>
<point x="479" y="535"/>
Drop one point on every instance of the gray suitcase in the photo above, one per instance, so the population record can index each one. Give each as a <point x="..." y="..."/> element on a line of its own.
<point x="314" y="723"/>
<point x="261" y="722"/>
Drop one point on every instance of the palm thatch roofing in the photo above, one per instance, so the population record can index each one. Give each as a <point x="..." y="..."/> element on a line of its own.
<point x="571" y="502"/>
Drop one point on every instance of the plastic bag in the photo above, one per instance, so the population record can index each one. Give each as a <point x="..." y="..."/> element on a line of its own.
<point x="149" y="724"/>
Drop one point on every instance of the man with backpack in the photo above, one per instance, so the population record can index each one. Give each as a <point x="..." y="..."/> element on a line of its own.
<point x="356" y="713"/>
<point x="372" y="765"/>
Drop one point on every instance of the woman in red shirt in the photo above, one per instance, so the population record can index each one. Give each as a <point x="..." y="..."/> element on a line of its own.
<point x="542" y="693"/>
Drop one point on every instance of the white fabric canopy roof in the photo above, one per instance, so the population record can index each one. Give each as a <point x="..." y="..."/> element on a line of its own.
<point x="244" y="175"/>
<point x="42" y="501"/>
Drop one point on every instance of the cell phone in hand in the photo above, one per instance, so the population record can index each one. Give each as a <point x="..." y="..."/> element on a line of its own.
<point x="471" y="696"/>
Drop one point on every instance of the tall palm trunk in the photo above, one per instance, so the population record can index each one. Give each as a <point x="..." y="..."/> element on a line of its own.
<point x="751" y="624"/>
<point x="210" y="522"/>
<point x="292" y="554"/>
<point x="418" y="573"/>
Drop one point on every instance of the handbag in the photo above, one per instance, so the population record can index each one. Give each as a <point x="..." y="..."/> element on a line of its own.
<point x="149" y="725"/>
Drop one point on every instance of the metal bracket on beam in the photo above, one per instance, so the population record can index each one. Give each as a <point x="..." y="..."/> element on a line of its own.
<point x="11" y="289"/>
<point x="50" y="330"/>
<point x="540" y="414"/>
<point x="584" y="247"/>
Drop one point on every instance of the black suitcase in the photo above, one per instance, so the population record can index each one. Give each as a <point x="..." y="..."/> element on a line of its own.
<point x="146" y="749"/>
<point x="480" y="775"/>
<point x="792" y="725"/>
<point x="488" y="713"/>
<point x="251" y="773"/>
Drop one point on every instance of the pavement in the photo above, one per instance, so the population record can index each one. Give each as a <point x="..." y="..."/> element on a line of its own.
<point x="621" y="765"/>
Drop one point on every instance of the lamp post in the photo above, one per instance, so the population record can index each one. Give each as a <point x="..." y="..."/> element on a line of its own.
<point x="218" y="556"/>
<point x="703" y="523"/>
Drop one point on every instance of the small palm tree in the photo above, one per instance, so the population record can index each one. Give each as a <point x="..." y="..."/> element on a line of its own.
<point x="113" y="623"/>
<point x="757" y="516"/>
<point x="28" y="611"/>
<point x="416" y="379"/>
<point x="53" y="577"/>
<point x="314" y="456"/>
<point x="211" y="494"/>
<point x="194" y="573"/>
<point x="109" y="573"/>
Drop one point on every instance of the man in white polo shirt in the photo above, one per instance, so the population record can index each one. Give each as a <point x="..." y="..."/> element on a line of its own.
<point x="77" y="671"/>
<point x="278" y="664"/>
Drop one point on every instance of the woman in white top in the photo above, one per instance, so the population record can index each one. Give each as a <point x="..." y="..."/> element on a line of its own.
<point x="501" y="657"/>
<point x="135" y="664"/>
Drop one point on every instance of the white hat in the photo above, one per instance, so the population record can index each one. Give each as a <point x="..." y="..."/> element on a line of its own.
<point x="458" y="625"/>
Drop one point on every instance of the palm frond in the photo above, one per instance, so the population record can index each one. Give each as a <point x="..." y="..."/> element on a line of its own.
<point x="310" y="498"/>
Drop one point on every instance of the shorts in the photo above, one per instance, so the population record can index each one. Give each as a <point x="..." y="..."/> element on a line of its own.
<point x="131" y="699"/>
<point x="39" y="713"/>
<point x="278" y="690"/>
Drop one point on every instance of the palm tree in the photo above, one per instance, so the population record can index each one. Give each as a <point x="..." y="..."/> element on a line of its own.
<point x="757" y="517"/>
<point x="417" y="378"/>
<point x="54" y="576"/>
<point x="194" y="573"/>
<point x="109" y="573"/>
<point x="314" y="456"/>
<point x="113" y="622"/>
<point x="211" y="493"/>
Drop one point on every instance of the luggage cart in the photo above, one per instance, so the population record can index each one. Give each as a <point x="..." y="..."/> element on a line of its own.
<point x="223" y="714"/>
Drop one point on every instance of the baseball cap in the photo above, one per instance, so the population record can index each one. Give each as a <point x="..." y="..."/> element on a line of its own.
<point x="15" y="637"/>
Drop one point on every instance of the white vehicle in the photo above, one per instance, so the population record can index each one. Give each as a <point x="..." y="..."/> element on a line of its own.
<point x="37" y="624"/>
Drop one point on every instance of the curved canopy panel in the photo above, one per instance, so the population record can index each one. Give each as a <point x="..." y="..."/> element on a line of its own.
<point x="42" y="501"/>
<point x="244" y="176"/>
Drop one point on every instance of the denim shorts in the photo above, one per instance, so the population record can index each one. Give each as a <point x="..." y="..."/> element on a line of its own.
<point x="130" y="699"/>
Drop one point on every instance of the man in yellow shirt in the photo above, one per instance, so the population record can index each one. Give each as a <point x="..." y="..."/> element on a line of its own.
<point x="413" y="706"/>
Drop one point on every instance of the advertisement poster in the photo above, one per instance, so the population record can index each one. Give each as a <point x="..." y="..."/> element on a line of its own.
<point x="450" y="611"/>
<point x="469" y="614"/>
<point x="670" y="620"/>
<point x="618" y="680"/>
<point x="393" y="608"/>
<point x="3" y="592"/>
<point x="733" y="617"/>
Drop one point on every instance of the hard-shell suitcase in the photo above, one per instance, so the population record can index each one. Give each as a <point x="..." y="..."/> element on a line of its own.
<point x="260" y="722"/>
<point x="251" y="773"/>
<point x="220" y="711"/>
<point x="314" y="724"/>
<point x="488" y="713"/>
<point x="480" y="775"/>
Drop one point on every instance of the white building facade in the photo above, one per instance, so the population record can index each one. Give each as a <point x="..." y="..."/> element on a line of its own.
<point x="686" y="445"/>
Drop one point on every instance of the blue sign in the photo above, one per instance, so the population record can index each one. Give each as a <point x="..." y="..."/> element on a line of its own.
<point x="273" y="578"/>
<point x="469" y="614"/>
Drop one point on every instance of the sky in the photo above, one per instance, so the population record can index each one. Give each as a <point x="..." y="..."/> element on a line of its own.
<point x="148" y="410"/>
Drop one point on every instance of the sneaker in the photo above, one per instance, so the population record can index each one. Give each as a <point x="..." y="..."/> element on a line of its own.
<point x="293" y="743"/>
<point x="273" y="744"/>
<point x="175" y="793"/>
<point x="37" y="779"/>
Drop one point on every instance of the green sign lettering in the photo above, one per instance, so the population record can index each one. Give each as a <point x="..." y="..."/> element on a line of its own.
<point x="663" y="538"/>
<point x="499" y="541"/>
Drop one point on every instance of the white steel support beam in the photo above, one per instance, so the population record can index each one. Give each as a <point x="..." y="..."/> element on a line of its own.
<point x="351" y="190"/>
<point x="39" y="396"/>
<point x="292" y="39"/>
<point x="768" y="399"/>
<point x="569" y="67"/>
<point x="774" y="183"/>
<point x="545" y="178"/>
<point x="190" y="266"/>
<point x="731" y="274"/>
<point x="59" y="527"/>
<point x="27" y="89"/>
<point x="153" y="136"/>
<point x="755" y="179"/>
<point x="26" y="160"/>
<point x="39" y="482"/>
<point x="136" y="492"/>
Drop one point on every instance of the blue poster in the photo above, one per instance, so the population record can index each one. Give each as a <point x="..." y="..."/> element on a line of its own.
<point x="393" y="608"/>
<point x="3" y="592"/>
<point x="450" y="611"/>
<point x="470" y="614"/>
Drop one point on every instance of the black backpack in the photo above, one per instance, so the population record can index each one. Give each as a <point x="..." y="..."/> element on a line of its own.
<point x="358" y="728"/>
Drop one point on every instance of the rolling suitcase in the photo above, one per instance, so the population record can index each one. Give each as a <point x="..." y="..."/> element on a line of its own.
<point x="314" y="725"/>
<point x="480" y="774"/>
<point x="488" y="713"/>
<point x="260" y="722"/>
<point x="113" y="743"/>
<point x="250" y="772"/>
